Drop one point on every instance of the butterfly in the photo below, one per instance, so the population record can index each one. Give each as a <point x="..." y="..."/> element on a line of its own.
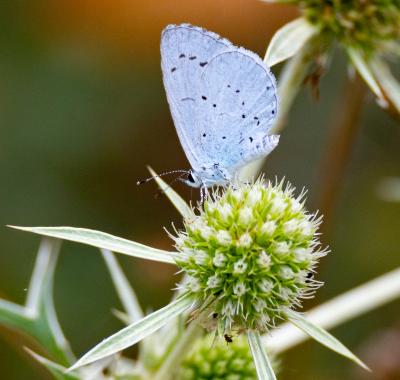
<point x="223" y="101"/>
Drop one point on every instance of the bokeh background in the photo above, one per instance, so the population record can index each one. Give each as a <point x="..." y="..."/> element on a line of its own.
<point x="83" y="111"/>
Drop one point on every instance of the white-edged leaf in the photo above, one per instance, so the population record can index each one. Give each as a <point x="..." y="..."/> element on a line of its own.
<point x="57" y="370"/>
<point x="106" y="241"/>
<point x="122" y="316"/>
<point x="322" y="336"/>
<point x="362" y="67"/>
<point x="179" y="203"/>
<point x="14" y="315"/>
<point x="125" y="292"/>
<point x="135" y="332"/>
<point x="39" y="301"/>
<point x="388" y="83"/>
<point x="260" y="357"/>
<point x="40" y="286"/>
<point x="288" y="40"/>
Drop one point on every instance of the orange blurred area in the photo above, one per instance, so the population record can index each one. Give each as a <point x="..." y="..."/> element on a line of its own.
<point x="133" y="27"/>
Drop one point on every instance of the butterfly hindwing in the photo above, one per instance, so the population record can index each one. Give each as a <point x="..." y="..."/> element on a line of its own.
<point x="238" y="109"/>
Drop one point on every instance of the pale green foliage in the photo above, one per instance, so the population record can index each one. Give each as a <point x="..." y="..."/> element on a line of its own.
<point x="266" y="214"/>
<point x="288" y="40"/>
<point x="135" y="332"/>
<point x="261" y="360"/>
<point x="365" y="25"/>
<point x="103" y="241"/>
<point x="322" y="336"/>
<point x="38" y="318"/>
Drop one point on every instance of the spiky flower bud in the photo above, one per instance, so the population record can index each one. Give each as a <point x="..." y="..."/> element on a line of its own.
<point x="360" y="24"/>
<point x="231" y="361"/>
<point x="249" y="254"/>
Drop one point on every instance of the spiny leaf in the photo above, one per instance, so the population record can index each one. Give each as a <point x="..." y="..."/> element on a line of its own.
<point x="288" y="40"/>
<point x="388" y="83"/>
<point x="362" y="67"/>
<point x="260" y="357"/>
<point x="173" y="196"/>
<point x="124" y="290"/>
<point x="106" y="241"/>
<point x="322" y="336"/>
<point x="15" y="316"/>
<point x="57" y="370"/>
<point x="135" y="332"/>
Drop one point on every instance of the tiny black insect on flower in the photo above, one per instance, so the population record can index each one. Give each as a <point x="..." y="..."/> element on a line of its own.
<point x="228" y="338"/>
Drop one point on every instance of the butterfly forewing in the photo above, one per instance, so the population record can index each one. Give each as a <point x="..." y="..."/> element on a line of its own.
<point x="185" y="53"/>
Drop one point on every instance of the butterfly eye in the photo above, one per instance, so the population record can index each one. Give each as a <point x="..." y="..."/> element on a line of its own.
<point x="190" y="178"/>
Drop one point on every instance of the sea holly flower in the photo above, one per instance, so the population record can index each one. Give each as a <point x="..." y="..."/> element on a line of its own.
<point x="247" y="267"/>
<point x="259" y="280"/>
<point x="222" y="361"/>
<point x="367" y="30"/>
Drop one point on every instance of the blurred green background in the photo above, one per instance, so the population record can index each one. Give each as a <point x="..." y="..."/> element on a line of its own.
<point x="83" y="111"/>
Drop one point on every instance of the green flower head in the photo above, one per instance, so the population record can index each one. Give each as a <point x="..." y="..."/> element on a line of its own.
<point x="249" y="254"/>
<point x="231" y="361"/>
<point x="360" y="24"/>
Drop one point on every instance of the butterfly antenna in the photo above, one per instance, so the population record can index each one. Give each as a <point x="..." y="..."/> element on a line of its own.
<point x="160" y="175"/>
<point x="162" y="191"/>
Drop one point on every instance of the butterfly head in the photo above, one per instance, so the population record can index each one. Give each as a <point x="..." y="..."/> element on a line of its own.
<point x="193" y="179"/>
<point x="208" y="176"/>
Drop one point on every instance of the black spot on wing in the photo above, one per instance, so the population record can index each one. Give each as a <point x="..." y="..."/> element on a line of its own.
<point x="202" y="64"/>
<point x="173" y="69"/>
<point x="182" y="56"/>
<point x="193" y="57"/>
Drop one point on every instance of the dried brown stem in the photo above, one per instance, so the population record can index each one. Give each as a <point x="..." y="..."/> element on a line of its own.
<point x="345" y="122"/>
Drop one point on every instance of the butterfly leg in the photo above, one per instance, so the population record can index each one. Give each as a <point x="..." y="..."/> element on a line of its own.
<point x="203" y="193"/>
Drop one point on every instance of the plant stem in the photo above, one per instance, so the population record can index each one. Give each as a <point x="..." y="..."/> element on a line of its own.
<point x="345" y="120"/>
<point x="341" y="309"/>
<point x="175" y="357"/>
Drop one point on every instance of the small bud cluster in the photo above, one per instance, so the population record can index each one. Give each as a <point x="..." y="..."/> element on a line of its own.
<point x="362" y="24"/>
<point x="249" y="255"/>
<point x="224" y="361"/>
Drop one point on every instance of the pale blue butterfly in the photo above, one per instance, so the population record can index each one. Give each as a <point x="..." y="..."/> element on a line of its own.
<point x="223" y="102"/>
